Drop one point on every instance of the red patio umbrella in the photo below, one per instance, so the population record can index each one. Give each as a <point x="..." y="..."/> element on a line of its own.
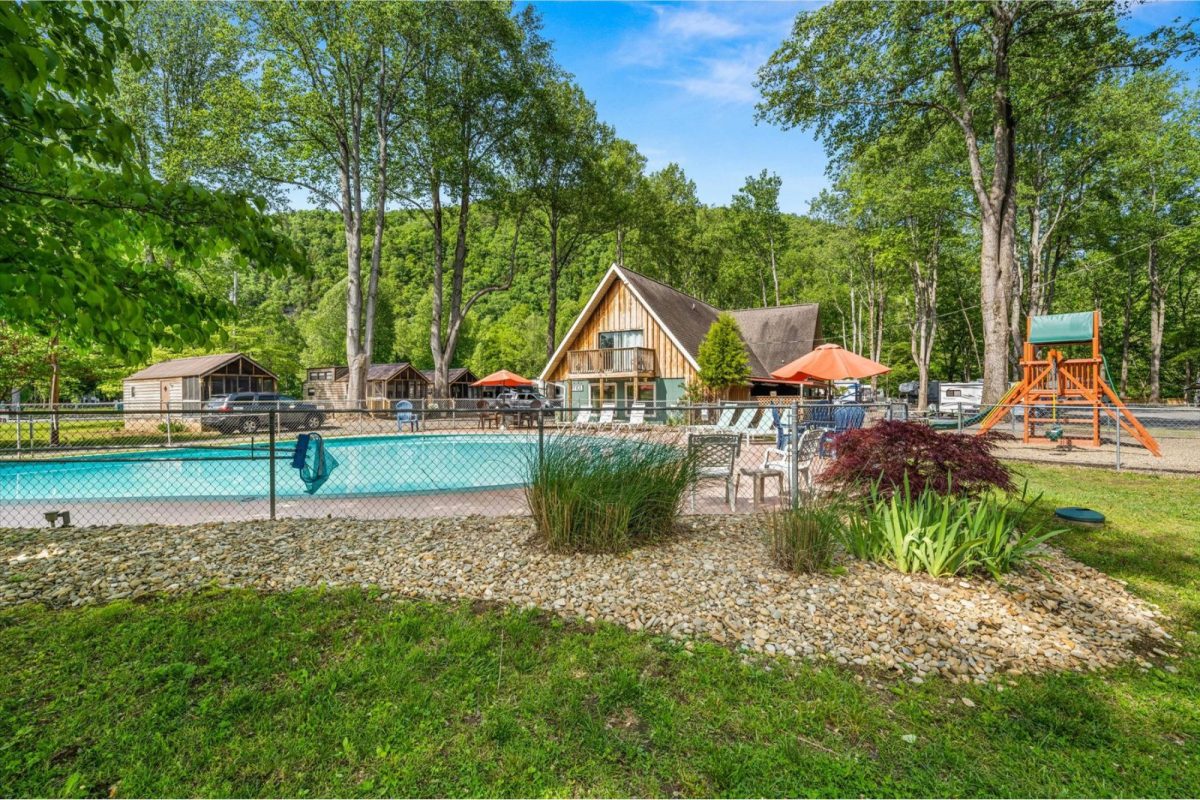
<point x="829" y="362"/>
<point x="503" y="378"/>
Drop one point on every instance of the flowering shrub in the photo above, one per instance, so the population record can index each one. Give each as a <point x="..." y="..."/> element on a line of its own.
<point x="894" y="454"/>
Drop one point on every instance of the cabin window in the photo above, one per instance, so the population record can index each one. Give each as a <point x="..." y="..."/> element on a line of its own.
<point x="133" y="391"/>
<point x="320" y="375"/>
<point x="954" y="393"/>
<point x="640" y="392"/>
<point x="603" y="393"/>
<point x="614" y="339"/>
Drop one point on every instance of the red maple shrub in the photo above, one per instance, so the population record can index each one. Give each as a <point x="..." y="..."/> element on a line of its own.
<point x="892" y="452"/>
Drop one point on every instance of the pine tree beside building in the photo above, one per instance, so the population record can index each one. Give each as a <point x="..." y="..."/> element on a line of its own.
<point x="722" y="357"/>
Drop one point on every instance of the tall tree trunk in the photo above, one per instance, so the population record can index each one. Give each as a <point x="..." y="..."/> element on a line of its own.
<point x="381" y="177"/>
<point x="1015" y="335"/>
<point x="54" y="390"/>
<point x="774" y="269"/>
<point x="552" y="304"/>
<point x="1158" y="308"/>
<point x="1158" y="315"/>
<point x="355" y="359"/>
<point x="996" y="198"/>
<point x="1126" y="329"/>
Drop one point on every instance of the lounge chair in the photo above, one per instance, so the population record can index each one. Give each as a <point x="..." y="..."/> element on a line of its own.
<point x="607" y="413"/>
<point x="845" y="418"/>
<point x="741" y="425"/>
<point x="722" y="425"/>
<point x="637" y="416"/>
<point x="716" y="457"/>
<point x="584" y="418"/>
<point x="807" y="451"/>
<point x="405" y="416"/>
<point x="765" y="428"/>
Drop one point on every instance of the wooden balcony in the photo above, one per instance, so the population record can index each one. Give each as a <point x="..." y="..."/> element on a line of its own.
<point x="611" y="363"/>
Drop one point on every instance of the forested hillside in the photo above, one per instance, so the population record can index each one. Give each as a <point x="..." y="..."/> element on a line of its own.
<point x="504" y="197"/>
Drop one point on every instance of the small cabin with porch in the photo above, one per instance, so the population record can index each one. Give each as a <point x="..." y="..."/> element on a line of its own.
<point x="328" y="387"/>
<point x="638" y="340"/>
<point x="184" y="384"/>
<point x="461" y="379"/>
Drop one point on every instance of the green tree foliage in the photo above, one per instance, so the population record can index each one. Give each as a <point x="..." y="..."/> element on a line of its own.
<point x="759" y="228"/>
<point x="93" y="247"/>
<point x="723" y="360"/>
<point x="857" y="71"/>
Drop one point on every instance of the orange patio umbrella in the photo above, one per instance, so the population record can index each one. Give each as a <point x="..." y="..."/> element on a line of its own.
<point x="503" y="378"/>
<point x="829" y="362"/>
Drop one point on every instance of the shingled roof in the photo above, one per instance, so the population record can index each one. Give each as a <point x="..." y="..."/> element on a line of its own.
<point x="193" y="366"/>
<point x="773" y="336"/>
<point x="380" y="372"/>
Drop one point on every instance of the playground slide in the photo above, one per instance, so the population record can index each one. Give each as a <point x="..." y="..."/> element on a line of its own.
<point x="997" y="409"/>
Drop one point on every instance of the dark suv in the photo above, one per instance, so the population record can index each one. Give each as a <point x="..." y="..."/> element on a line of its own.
<point x="248" y="412"/>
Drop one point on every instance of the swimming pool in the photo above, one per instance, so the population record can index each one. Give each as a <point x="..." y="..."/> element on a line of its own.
<point x="369" y="465"/>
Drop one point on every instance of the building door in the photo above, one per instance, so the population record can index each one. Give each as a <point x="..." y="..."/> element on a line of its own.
<point x="164" y="390"/>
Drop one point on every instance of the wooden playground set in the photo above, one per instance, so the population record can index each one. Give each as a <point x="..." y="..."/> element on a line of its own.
<point x="1063" y="398"/>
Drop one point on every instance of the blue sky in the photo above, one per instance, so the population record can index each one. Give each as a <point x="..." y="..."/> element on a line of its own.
<point x="677" y="80"/>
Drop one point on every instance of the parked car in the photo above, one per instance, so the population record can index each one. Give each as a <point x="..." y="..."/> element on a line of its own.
<point x="524" y="398"/>
<point x="249" y="412"/>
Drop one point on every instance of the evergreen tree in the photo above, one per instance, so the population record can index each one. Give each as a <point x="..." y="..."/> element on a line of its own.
<point x="723" y="359"/>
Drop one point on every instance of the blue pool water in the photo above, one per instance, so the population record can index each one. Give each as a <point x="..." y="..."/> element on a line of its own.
<point x="365" y="466"/>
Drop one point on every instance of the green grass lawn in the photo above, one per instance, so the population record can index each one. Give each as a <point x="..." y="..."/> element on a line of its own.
<point x="102" y="431"/>
<point x="336" y="693"/>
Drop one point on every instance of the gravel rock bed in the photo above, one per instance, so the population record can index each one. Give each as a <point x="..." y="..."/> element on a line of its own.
<point x="713" y="581"/>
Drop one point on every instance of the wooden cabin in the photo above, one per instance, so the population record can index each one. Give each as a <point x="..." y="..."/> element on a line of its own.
<point x="184" y="384"/>
<point x="386" y="383"/>
<point x="638" y="340"/>
<point x="461" y="379"/>
<point x="325" y="386"/>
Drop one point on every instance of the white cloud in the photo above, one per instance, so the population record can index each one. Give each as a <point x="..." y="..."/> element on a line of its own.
<point x="692" y="23"/>
<point x="728" y="80"/>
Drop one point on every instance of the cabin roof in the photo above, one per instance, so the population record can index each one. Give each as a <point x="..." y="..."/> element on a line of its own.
<point x="457" y="374"/>
<point x="378" y="372"/>
<point x="773" y="336"/>
<point x="193" y="366"/>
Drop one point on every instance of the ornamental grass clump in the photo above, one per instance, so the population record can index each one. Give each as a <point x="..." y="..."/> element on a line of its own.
<point x="589" y="494"/>
<point x="943" y="534"/>
<point x="805" y="538"/>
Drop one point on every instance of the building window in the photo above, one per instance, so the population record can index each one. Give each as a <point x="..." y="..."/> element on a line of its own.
<point x="953" y="393"/>
<point x="611" y="340"/>
<point x="603" y="393"/>
<point x="133" y="391"/>
<point x="640" y="392"/>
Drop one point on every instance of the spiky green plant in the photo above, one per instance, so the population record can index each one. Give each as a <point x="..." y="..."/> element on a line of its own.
<point x="596" y="494"/>
<point x="804" y="539"/>
<point x="943" y="535"/>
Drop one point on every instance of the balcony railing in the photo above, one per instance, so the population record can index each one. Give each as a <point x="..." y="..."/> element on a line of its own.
<point x="611" y="361"/>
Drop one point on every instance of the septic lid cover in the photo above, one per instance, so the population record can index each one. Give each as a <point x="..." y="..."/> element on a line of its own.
<point x="1074" y="514"/>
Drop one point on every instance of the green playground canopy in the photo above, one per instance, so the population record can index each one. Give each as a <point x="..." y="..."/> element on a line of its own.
<point x="1061" y="328"/>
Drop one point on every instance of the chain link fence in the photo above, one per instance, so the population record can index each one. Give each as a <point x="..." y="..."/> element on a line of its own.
<point x="1066" y="434"/>
<point x="104" y="467"/>
<point x="89" y="466"/>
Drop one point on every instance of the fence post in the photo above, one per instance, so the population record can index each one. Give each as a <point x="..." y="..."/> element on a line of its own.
<point x="960" y="420"/>
<point x="1118" y="443"/>
<point x="168" y="424"/>
<point x="793" y="465"/>
<point x="17" y="415"/>
<point x="541" y="417"/>
<point x="271" y="426"/>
